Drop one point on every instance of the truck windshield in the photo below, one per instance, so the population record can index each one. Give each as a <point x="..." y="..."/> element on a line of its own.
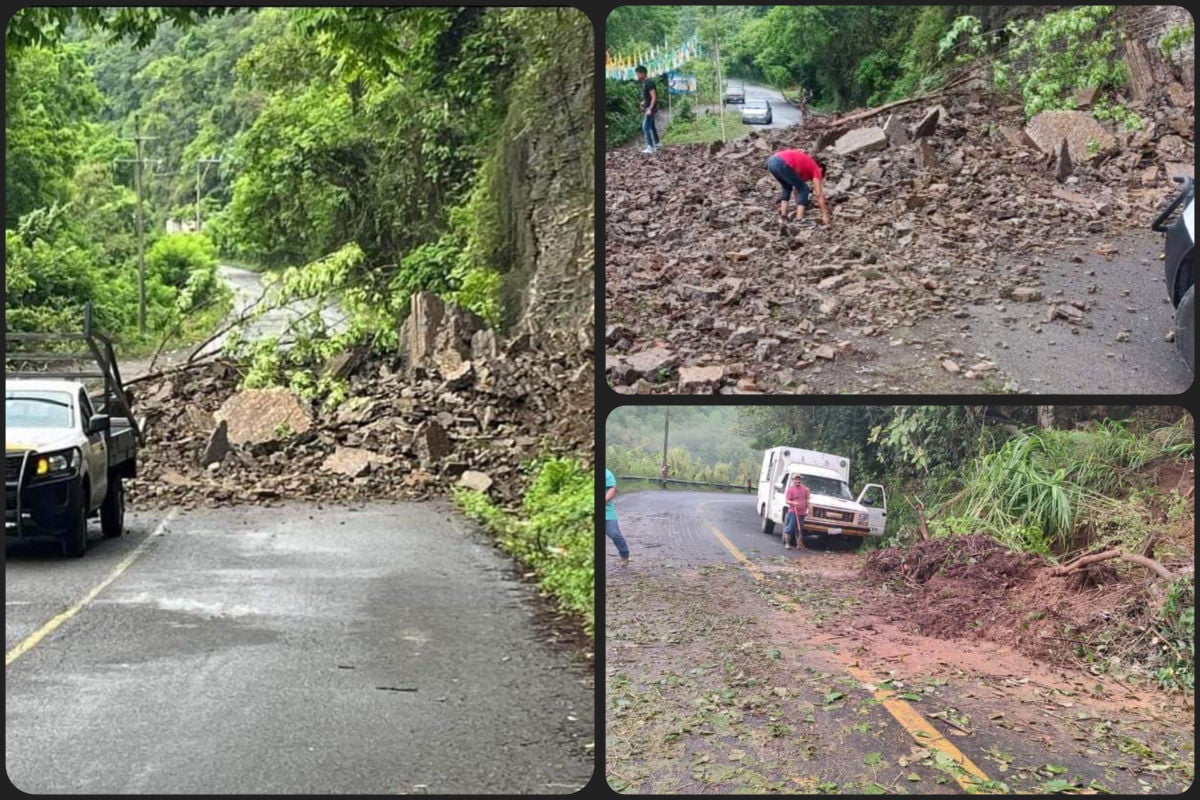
<point x="38" y="410"/>
<point x="829" y="487"/>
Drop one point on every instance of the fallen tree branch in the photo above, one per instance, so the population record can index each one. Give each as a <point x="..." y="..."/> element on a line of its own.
<point x="872" y="112"/>
<point x="1133" y="558"/>
<point x="153" y="376"/>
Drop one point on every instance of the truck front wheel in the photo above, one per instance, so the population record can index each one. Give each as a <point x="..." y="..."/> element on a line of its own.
<point x="1185" y="327"/>
<point x="112" y="511"/>
<point x="768" y="524"/>
<point x="74" y="541"/>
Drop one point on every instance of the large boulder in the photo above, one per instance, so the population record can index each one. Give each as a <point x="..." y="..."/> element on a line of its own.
<point x="861" y="140"/>
<point x="452" y="343"/>
<point x="255" y="416"/>
<point x="1085" y="136"/>
<point x="419" y="330"/>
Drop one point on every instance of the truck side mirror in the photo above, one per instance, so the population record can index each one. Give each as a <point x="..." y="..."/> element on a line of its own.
<point x="98" y="423"/>
<point x="868" y="502"/>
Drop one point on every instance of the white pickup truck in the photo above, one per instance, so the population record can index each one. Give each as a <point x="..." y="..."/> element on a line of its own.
<point x="66" y="449"/>
<point x="833" y="511"/>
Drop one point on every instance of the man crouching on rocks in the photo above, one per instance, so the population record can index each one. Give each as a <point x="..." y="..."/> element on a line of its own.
<point x="793" y="168"/>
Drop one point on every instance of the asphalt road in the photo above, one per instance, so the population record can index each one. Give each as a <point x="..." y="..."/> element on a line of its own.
<point x="248" y="290"/>
<point x="734" y="665"/>
<point x="290" y="650"/>
<point x="783" y="113"/>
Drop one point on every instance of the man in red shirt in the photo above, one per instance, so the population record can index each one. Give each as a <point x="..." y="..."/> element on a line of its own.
<point x="793" y="168"/>
<point x="796" y="498"/>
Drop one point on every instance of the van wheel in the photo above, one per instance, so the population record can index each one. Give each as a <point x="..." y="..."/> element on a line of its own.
<point x="74" y="542"/>
<point x="112" y="511"/>
<point x="768" y="524"/>
<point x="1185" y="327"/>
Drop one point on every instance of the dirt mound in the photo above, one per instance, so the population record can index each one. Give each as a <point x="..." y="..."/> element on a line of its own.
<point x="971" y="587"/>
<point x="398" y="436"/>
<point x="707" y="290"/>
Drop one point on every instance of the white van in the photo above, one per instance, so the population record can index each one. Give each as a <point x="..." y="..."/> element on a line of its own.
<point x="833" y="511"/>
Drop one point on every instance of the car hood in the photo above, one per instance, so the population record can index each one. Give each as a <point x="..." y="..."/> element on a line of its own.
<point x="829" y="501"/>
<point x="43" y="440"/>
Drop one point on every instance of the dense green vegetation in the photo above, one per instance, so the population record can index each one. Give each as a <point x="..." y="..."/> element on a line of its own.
<point x="553" y="535"/>
<point x="851" y="56"/>
<point x="358" y="144"/>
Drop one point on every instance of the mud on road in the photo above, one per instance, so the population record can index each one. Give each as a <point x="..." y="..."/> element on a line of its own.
<point x="773" y="673"/>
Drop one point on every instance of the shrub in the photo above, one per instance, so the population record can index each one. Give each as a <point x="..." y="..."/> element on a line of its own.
<point x="173" y="258"/>
<point x="553" y="533"/>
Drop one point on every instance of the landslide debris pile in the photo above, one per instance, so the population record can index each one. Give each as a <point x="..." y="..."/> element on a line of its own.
<point x="461" y="408"/>
<point x="936" y="211"/>
<point x="973" y="587"/>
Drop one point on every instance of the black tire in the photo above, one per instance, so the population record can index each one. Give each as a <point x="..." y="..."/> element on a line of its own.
<point x="112" y="511"/>
<point x="1185" y="327"/>
<point x="74" y="541"/>
<point x="812" y="541"/>
<point x="768" y="524"/>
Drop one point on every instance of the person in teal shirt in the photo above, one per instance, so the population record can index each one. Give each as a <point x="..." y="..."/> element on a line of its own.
<point x="611" y="529"/>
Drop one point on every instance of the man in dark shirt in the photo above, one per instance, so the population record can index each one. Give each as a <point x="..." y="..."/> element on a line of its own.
<point x="649" y="107"/>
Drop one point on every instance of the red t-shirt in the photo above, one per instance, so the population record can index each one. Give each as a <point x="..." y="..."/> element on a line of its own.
<point x="801" y="163"/>
<point x="797" y="496"/>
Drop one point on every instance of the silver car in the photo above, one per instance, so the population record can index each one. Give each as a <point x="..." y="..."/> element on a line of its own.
<point x="756" y="112"/>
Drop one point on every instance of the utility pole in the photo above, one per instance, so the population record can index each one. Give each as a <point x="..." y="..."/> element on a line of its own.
<point x="720" y="91"/>
<point x="205" y="162"/>
<point x="141" y="222"/>
<point x="666" y="432"/>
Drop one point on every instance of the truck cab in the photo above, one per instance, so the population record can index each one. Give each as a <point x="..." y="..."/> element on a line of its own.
<point x="835" y="512"/>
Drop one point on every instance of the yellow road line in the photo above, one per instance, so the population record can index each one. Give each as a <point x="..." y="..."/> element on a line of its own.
<point x="909" y="718"/>
<point x="53" y="624"/>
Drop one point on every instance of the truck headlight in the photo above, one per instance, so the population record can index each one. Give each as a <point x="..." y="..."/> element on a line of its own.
<point x="53" y="465"/>
<point x="862" y="518"/>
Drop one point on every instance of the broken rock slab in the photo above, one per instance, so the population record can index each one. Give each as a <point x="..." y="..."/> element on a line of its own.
<point x="255" y="416"/>
<point x="1064" y="167"/>
<point x="895" y="131"/>
<point x="349" y="461"/>
<point x="475" y="481"/>
<point x="431" y="442"/>
<point x="419" y="329"/>
<point x="218" y="445"/>
<point x="700" y="380"/>
<point x="650" y="362"/>
<point x="928" y="123"/>
<point x="861" y="140"/>
<point x="1085" y="136"/>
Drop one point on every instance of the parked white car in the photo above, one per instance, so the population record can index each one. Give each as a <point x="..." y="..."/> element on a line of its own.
<point x="834" y="511"/>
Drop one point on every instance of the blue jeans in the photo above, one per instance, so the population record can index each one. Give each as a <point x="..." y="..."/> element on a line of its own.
<point x="649" y="131"/>
<point x="613" y="531"/>
<point x="792" y="528"/>
<point x="789" y="181"/>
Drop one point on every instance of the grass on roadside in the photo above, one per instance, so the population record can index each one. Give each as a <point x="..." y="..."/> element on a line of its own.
<point x="705" y="128"/>
<point x="553" y="533"/>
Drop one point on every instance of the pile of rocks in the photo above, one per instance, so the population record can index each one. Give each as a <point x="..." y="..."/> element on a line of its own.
<point x="936" y="210"/>
<point x="462" y="406"/>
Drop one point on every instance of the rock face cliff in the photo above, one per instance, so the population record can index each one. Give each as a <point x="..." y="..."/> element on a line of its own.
<point x="545" y="183"/>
